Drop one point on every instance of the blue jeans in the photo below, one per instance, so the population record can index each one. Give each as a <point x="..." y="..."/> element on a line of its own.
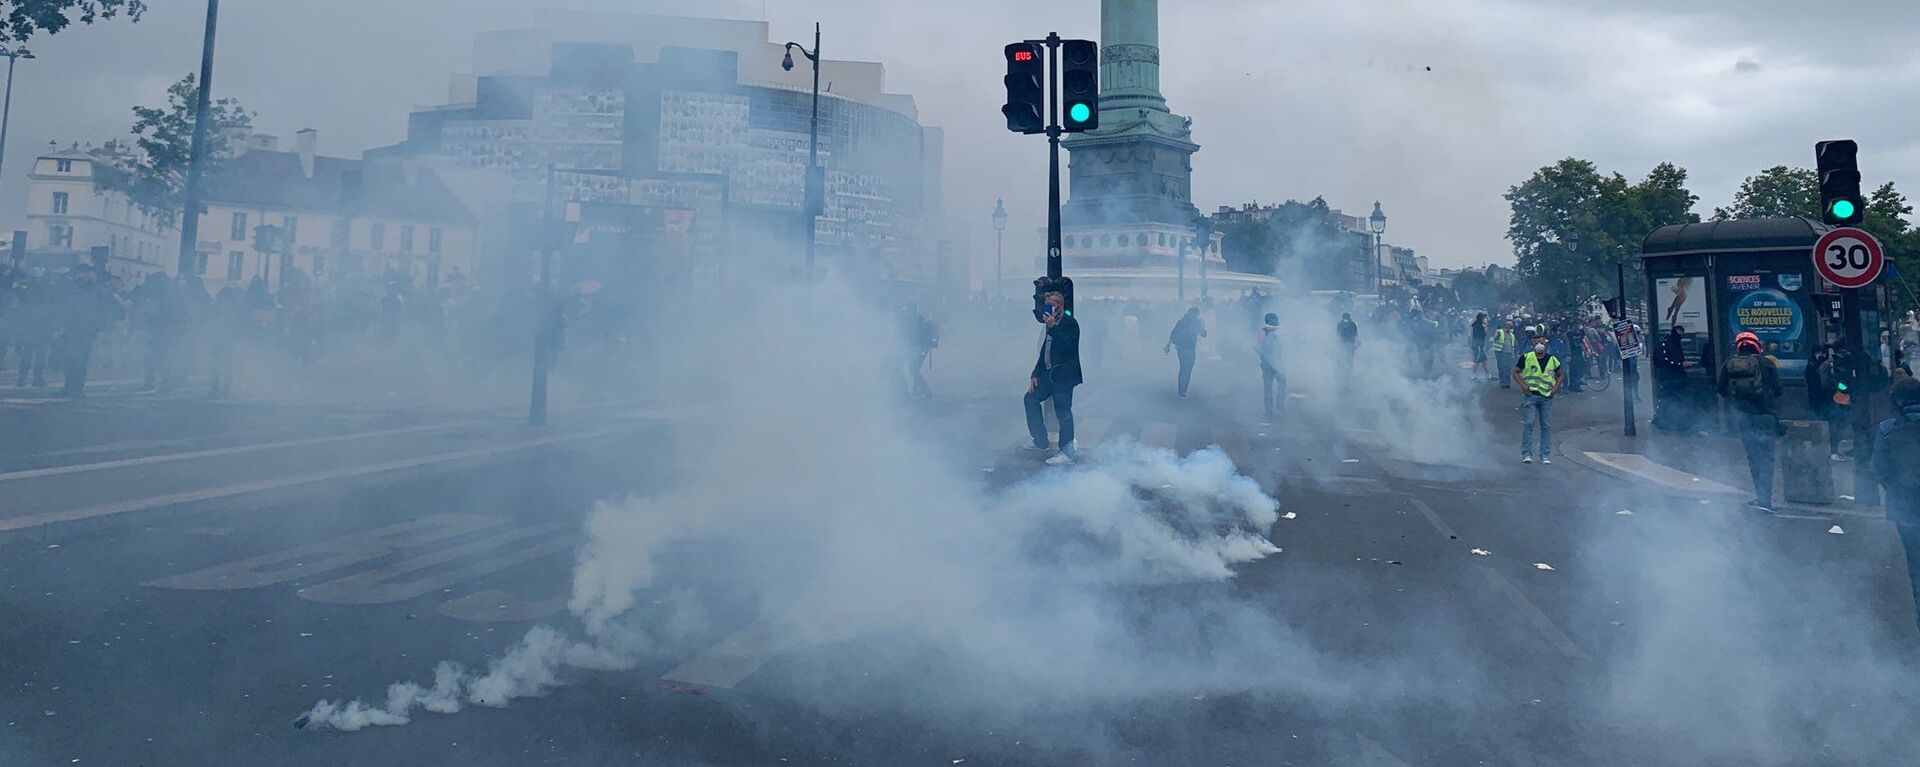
<point x="1062" y="410"/>
<point x="1537" y="408"/>
<point x="1186" y="354"/>
<point x="1758" y="434"/>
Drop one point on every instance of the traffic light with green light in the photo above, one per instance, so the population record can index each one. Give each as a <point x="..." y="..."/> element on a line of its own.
<point x="1840" y="201"/>
<point x="1026" y="108"/>
<point x="1079" y="85"/>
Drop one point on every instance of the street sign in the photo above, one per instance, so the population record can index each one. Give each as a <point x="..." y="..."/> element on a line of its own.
<point x="1849" y="258"/>
<point x="1627" y="338"/>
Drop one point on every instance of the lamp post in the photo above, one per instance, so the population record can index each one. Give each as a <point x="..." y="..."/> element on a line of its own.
<point x="6" y="111"/>
<point x="816" y="180"/>
<point x="196" y="153"/>
<point x="999" y="242"/>
<point x="1203" y="234"/>
<point x="1377" y="223"/>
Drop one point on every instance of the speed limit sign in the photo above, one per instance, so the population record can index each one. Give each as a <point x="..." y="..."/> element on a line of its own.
<point x="1849" y="257"/>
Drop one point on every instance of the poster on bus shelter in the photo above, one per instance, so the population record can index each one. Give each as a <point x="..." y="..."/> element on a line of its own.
<point x="1773" y="306"/>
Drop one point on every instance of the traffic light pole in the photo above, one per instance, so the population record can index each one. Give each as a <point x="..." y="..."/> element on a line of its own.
<point x="1053" y="156"/>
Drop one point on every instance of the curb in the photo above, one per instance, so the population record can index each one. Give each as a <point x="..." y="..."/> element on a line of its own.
<point x="1571" y="448"/>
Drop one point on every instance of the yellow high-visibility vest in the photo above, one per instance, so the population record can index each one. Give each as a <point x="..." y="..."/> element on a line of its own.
<point x="1503" y="340"/>
<point x="1538" y="377"/>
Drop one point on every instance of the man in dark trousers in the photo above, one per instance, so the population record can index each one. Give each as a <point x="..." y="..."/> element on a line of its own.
<point x="1273" y="382"/>
<point x="1055" y="374"/>
<point x="1185" y="338"/>
<point x="1896" y="464"/>
<point x="1751" y="382"/>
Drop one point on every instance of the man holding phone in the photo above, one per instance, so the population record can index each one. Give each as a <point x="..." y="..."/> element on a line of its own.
<point x="1055" y="374"/>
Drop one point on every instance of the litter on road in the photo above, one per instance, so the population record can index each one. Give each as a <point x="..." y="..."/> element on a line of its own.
<point x="1542" y="566"/>
<point x="1349" y="460"/>
<point x="1481" y="552"/>
<point x="1836" y="530"/>
<point x="1623" y="513"/>
<point x="1289" y="515"/>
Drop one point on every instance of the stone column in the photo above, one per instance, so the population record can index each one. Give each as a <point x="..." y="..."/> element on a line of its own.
<point x="1130" y="55"/>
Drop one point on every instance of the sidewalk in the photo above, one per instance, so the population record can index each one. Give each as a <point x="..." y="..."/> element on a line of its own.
<point x="1712" y="467"/>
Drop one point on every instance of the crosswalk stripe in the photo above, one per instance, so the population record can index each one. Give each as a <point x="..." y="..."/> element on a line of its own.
<point x="731" y="661"/>
<point x="326" y="556"/>
<point x="424" y="574"/>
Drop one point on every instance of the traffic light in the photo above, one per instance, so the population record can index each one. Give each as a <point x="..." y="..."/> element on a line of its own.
<point x="1840" y="201"/>
<point x="1026" y="108"/>
<point x="1079" y="85"/>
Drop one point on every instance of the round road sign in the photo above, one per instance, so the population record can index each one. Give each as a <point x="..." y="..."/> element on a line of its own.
<point x="1849" y="257"/>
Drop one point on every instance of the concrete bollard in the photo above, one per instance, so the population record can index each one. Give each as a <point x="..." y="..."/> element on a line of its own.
<point x="1805" y="474"/>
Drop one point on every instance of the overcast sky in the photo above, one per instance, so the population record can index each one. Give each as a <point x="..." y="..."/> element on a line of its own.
<point x="1289" y="99"/>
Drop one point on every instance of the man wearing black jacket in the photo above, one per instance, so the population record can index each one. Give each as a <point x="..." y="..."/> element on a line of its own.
<point x="1055" y="374"/>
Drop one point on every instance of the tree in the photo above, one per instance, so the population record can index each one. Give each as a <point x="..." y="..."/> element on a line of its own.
<point x="1777" y="192"/>
<point x="157" y="180"/>
<point x="1572" y="226"/>
<point x="22" y="19"/>
<point x="1300" y="242"/>
<point x="1886" y="219"/>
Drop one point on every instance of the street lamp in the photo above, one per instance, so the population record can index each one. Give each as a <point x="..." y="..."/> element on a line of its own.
<point x="1203" y="234"/>
<point x="1377" y="223"/>
<point x="999" y="241"/>
<point x="13" y="56"/>
<point x="816" y="180"/>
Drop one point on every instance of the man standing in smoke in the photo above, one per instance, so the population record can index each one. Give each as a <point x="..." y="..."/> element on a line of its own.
<point x="1504" y="344"/>
<point x="1540" y="376"/>
<point x="1273" y="383"/>
<point x="1751" y="382"/>
<point x="1055" y="374"/>
<point x="1349" y="343"/>
<point x="1186" y="337"/>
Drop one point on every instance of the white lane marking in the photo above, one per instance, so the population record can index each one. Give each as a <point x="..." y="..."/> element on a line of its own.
<point x="1640" y="467"/>
<point x="326" y="556"/>
<point x="730" y="661"/>
<point x="1526" y="607"/>
<point x="156" y="502"/>
<point x="496" y="606"/>
<point x="1375" y="755"/>
<point x="1158" y="434"/>
<point x="427" y="573"/>
<point x="54" y="471"/>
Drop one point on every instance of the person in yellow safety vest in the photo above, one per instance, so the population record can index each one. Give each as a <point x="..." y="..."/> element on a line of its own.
<point x="1504" y="343"/>
<point x="1540" y="377"/>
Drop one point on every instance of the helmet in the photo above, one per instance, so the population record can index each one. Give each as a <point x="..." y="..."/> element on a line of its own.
<point x="1745" y="339"/>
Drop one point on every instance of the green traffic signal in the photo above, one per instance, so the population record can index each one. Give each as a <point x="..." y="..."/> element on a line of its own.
<point x="1842" y="209"/>
<point x="1079" y="113"/>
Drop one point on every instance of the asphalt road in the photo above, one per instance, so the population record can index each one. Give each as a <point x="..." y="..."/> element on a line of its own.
<point x="297" y="557"/>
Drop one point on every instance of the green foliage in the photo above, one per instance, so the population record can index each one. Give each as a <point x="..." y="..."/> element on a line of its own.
<point x="1887" y="219"/>
<point x="22" y="19"/>
<point x="1571" y="226"/>
<point x="157" y="181"/>
<point x="1777" y="192"/>
<point x="1302" y="243"/>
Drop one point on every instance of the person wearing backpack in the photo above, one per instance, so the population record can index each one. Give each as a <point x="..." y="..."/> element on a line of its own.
<point x="1896" y="465"/>
<point x="1185" y="338"/>
<point x="1540" y="377"/>
<point x="1751" y="383"/>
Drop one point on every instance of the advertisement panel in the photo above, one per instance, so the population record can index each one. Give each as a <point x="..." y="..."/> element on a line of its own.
<point x="1774" y="306"/>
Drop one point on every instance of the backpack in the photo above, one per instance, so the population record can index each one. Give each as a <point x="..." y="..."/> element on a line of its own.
<point x="1745" y="378"/>
<point x="1901" y="441"/>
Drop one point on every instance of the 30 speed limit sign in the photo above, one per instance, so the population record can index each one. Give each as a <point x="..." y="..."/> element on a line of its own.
<point x="1849" y="258"/>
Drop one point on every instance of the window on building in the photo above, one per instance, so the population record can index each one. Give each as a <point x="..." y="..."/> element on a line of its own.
<point x="319" y="265"/>
<point x="59" y="203"/>
<point x="200" y="263"/>
<point x="378" y="240"/>
<point x="1086" y="242"/>
<point x="63" y="166"/>
<point x="433" y="240"/>
<point x="340" y="229"/>
<point x="239" y="233"/>
<point x="1163" y="239"/>
<point x="1123" y="240"/>
<point x="59" y="236"/>
<point x="406" y="238"/>
<point x="235" y="262"/>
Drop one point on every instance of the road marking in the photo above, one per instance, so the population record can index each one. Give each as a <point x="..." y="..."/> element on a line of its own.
<point x="326" y="556"/>
<point x="496" y="606"/>
<point x="730" y="661"/>
<point x="1637" y="466"/>
<point x="1375" y="755"/>
<point x="163" y="501"/>
<point x="429" y="572"/>
<point x="54" y="471"/>
<point x="1158" y="434"/>
<point x="1526" y="607"/>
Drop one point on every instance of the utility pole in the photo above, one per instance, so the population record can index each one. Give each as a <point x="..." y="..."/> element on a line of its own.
<point x="816" y="181"/>
<point x="542" y="310"/>
<point x="196" y="158"/>
<point x="1053" y="158"/>
<point x="6" y="110"/>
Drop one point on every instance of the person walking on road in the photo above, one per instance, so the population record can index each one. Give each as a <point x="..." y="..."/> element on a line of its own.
<point x="1504" y="345"/>
<point x="1273" y="383"/>
<point x="1751" y="383"/>
<point x="1055" y="374"/>
<point x="1185" y="338"/>
<point x="1478" y="339"/>
<point x="1349" y="343"/>
<point x="1540" y="377"/>
<point x="1896" y="465"/>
